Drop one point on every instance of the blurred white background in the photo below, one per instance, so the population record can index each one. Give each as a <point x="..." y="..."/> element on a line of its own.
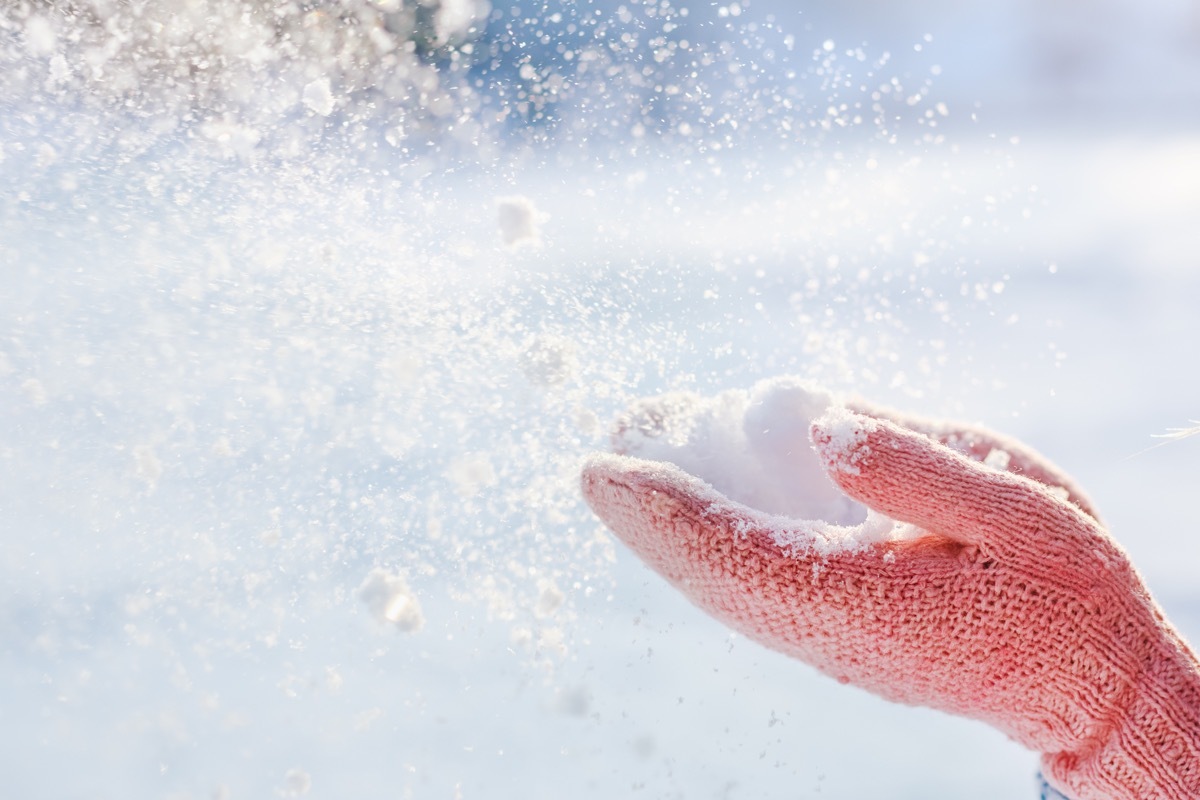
<point x="261" y="334"/>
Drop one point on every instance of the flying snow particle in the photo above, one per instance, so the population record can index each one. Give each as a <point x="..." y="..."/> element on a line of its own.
<point x="296" y="782"/>
<point x="147" y="464"/>
<point x="551" y="642"/>
<point x="587" y="422"/>
<point x="365" y="719"/>
<point x="644" y="746"/>
<point x="471" y="474"/>
<point x="46" y="155"/>
<point x="998" y="459"/>
<point x="518" y="218"/>
<point x="550" y="599"/>
<point x="318" y="97"/>
<point x="40" y="38"/>
<point x="398" y="373"/>
<point x="521" y="637"/>
<point x="390" y="601"/>
<point x="454" y="18"/>
<point x="574" y="702"/>
<point x="34" y="391"/>
<point x="234" y="140"/>
<point x="549" y="361"/>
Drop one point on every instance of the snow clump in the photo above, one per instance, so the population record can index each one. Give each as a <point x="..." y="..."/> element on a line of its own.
<point x="842" y="437"/>
<point x="296" y="783"/>
<point x="752" y="446"/>
<point x="318" y="97"/>
<point x="391" y="601"/>
<point x="518" y="218"/>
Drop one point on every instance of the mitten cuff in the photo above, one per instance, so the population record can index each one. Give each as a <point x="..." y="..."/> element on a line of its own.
<point x="1048" y="792"/>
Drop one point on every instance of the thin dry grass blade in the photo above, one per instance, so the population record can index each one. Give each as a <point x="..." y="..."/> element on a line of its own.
<point x="1179" y="433"/>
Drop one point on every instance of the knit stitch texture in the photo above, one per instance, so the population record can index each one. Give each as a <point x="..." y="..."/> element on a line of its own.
<point x="1013" y="606"/>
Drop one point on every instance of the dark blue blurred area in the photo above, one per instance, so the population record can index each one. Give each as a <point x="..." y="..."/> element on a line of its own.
<point x="1124" y="64"/>
<point x="458" y="81"/>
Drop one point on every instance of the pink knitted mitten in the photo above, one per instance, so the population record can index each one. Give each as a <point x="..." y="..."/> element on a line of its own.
<point x="1008" y="602"/>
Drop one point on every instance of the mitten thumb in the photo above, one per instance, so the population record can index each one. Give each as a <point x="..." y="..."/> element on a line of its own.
<point x="910" y="477"/>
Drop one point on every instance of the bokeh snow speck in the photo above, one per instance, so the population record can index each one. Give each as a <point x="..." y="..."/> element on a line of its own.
<point x="311" y="311"/>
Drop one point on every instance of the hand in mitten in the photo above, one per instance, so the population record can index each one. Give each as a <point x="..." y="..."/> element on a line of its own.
<point x="1002" y="599"/>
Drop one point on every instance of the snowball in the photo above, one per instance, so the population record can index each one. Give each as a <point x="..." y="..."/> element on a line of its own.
<point x="753" y="447"/>
<point x="390" y="601"/>
<point x="518" y="218"/>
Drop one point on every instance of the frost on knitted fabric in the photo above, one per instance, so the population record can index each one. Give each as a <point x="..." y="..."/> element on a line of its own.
<point x="753" y="448"/>
<point x="843" y="434"/>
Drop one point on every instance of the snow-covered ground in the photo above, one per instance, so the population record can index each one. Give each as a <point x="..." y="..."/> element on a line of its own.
<point x="288" y="470"/>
